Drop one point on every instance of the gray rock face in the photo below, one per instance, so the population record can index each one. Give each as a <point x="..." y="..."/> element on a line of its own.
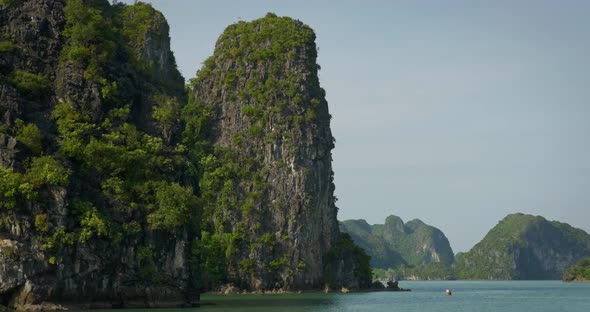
<point x="45" y="268"/>
<point x="393" y="226"/>
<point x="154" y="47"/>
<point x="270" y="118"/>
<point x="151" y="47"/>
<point x="8" y="151"/>
<point x="17" y="261"/>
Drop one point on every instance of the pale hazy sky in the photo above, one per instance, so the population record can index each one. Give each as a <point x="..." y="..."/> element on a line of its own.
<point x="453" y="112"/>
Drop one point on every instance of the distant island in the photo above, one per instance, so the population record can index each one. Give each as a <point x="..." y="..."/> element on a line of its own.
<point x="398" y="250"/>
<point x="395" y="243"/>
<point x="580" y="272"/>
<point x="519" y="247"/>
<point x="123" y="186"/>
<point x="524" y="247"/>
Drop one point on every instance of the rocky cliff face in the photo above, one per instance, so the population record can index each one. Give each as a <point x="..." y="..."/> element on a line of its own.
<point x="270" y="182"/>
<point x="524" y="247"/>
<point x="394" y="243"/>
<point x="93" y="198"/>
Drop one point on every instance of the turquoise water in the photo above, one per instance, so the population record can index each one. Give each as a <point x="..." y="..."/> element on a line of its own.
<point x="521" y="296"/>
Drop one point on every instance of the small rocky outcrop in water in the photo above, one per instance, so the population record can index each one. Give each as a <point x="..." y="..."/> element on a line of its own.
<point x="524" y="247"/>
<point x="95" y="207"/>
<point x="269" y="184"/>
<point x="394" y="286"/>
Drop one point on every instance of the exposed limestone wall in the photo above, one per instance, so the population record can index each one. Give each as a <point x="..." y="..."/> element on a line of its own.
<point x="270" y="119"/>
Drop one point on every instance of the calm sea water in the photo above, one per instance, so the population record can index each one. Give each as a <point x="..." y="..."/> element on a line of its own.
<point x="521" y="296"/>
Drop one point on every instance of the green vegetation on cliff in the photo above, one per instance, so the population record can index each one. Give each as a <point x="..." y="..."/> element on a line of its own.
<point x="396" y="245"/>
<point x="130" y="167"/>
<point x="29" y="84"/>
<point x="524" y="247"/>
<point x="107" y="159"/>
<point x="268" y="120"/>
<point x="580" y="272"/>
<point x="90" y="37"/>
<point x="7" y="3"/>
<point x="91" y="165"/>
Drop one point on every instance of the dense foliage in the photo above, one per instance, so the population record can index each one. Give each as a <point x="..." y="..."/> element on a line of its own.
<point x="136" y="169"/>
<point x="14" y="188"/>
<point x="90" y="37"/>
<point x="578" y="272"/>
<point x="121" y="179"/>
<point x="29" y="84"/>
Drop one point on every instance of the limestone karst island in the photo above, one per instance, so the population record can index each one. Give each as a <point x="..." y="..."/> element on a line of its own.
<point x="121" y="187"/>
<point x="124" y="184"/>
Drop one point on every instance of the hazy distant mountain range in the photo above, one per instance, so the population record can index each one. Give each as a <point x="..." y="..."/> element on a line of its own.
<point x="519" y="247"/>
